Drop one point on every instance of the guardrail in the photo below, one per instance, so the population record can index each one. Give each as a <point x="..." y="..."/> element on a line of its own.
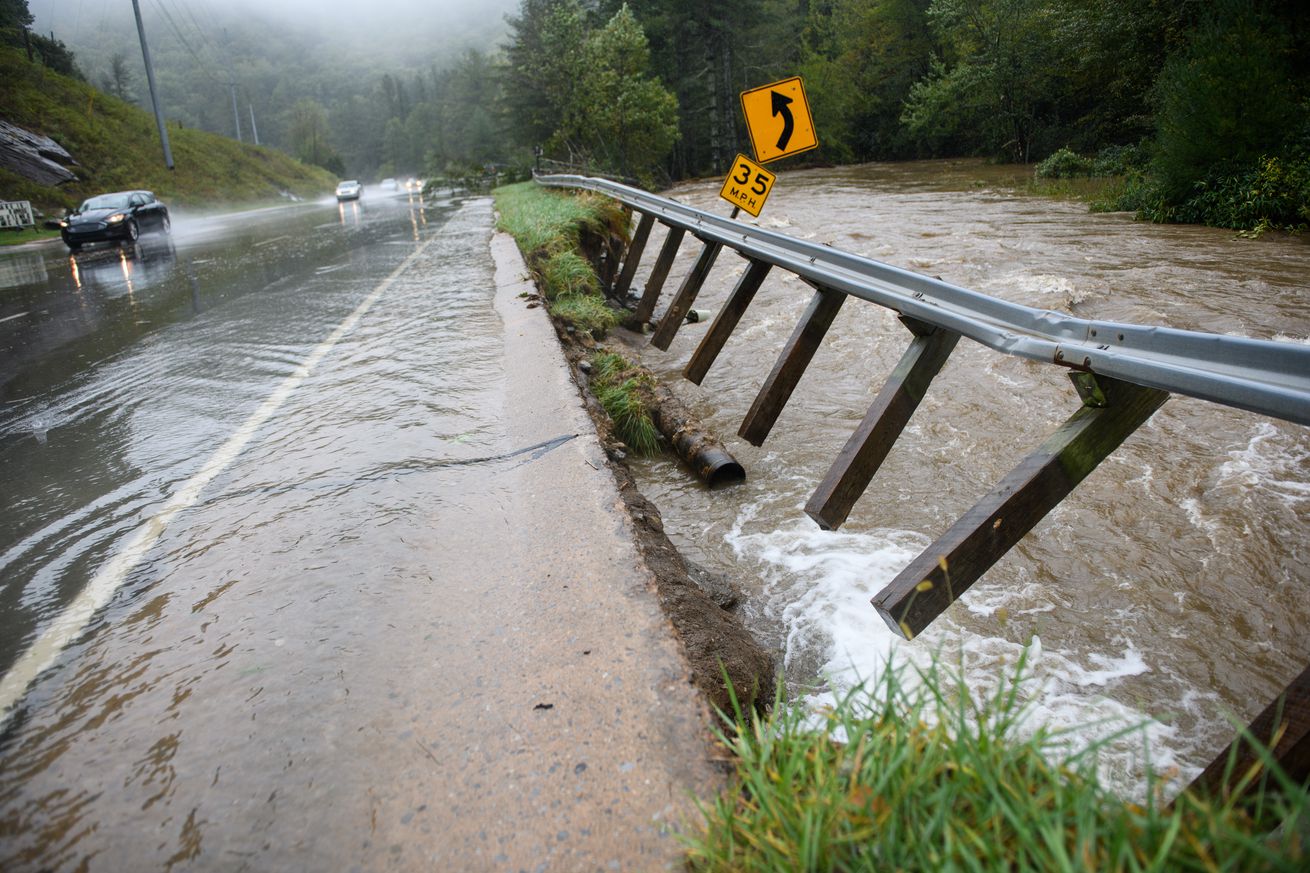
<point x="1122" y="373"/>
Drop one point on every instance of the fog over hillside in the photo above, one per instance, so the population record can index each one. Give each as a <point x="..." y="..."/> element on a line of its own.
<point x="392" y="33"/>
<point x="372" y="93"/>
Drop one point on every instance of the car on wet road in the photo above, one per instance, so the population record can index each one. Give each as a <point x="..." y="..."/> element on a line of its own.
<point x="122" y="216"/>
<point x="349" y="190"/>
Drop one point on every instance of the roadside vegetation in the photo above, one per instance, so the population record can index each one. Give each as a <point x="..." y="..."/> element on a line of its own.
<point x="552" y="229"/>
<point x="913" y="774"/>
<point x="9" y="237"/>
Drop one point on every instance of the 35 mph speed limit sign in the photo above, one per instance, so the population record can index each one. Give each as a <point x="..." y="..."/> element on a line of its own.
<point x="747" y="185"/>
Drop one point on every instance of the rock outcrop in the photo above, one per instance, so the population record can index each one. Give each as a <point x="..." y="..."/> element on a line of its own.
<point x="34" y="156"/>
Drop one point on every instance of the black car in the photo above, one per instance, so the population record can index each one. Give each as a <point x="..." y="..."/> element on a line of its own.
<point x="122" y="216"/>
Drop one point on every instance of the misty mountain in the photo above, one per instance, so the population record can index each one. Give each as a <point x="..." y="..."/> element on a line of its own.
<point x="274" y="56"/>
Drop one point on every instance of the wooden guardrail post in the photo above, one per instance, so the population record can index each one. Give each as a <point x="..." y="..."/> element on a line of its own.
<point x="890" y="412"/>
<point x="1283" y="727"/>
<point x="681" y="303"/>
<point x="658" y="273"/>
<point x="791" y="364"/>
<point x="726" y="321"/>
<point x="633" y="257"/>
<point x="933" y="581"/>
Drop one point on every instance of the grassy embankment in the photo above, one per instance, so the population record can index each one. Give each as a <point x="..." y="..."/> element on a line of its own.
<point x="912" y="775"/>
<point x="116" y="146"/>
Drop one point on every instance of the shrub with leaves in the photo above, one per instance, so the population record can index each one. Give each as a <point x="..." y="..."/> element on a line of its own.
<point x="1064" y="164"/>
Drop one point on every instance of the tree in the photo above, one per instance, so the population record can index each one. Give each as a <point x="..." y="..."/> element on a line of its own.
<point x="860" y="59"/>
<point x="1225" y="99"/>
<point x="586" y="92"/>
<point x="119" y="79"/>
<point x="998" y="77"/>
<point x="543" y="65"/>
<point x="706" y="52"/>
<point x="14" y="17"/>
<point x="624" y="118"/>
<point x="308" y="132"/>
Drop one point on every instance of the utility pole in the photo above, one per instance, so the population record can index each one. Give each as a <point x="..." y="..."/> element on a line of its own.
<point x="150" y="79"/>
<point x="254" y="131"/>
<point x="236" y="117"/>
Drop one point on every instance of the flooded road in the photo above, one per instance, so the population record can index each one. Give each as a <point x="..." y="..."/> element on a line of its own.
<point x="1171" y="588"/>
<point x="273" y="593"/>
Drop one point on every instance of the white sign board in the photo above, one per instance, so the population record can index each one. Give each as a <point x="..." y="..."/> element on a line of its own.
<point x="17" y="213"/>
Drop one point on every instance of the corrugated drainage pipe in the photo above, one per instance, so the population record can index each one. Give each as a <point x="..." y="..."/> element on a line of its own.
<point x="704" y="453"/>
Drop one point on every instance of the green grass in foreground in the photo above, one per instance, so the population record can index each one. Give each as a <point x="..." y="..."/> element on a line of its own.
<point x="548" y="226"/>
<point x="905" y="777"/>
<point x="26" y="235"/>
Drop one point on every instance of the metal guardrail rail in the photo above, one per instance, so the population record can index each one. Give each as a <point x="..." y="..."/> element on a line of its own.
<point x="1122" y="373"/>
<point x="1261" y="376"/>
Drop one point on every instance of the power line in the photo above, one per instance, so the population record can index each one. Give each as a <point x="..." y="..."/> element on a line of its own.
<point x="176" y="30"/>
<point x="195" y="24"/>
<point x="214" y="25"/>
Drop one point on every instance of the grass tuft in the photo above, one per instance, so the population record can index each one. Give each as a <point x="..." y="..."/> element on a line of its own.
<point x="10" y="237"/>
<point x="585" y="312"/>
<point x="567" y="272"/>
<point x="621" y="389"/>
<point x="913" y="775"/>
<point x="544" y="221"/>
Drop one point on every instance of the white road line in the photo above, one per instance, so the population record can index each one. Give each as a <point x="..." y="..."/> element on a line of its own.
<point x="12" y="317"/>
<point x="110" y="577"/>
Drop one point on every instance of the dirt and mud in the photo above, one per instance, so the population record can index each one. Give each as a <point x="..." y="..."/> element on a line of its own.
<point x="699" y="603"/>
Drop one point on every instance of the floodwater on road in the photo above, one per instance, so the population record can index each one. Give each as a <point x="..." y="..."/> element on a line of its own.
<point x="1171" y="588"/>
<point x="221" y="460"/>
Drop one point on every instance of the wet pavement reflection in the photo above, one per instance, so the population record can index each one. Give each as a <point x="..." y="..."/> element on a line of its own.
<point x="295" y="582"/>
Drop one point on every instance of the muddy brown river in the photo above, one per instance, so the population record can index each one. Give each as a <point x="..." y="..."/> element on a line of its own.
<point x="1171" y="589"/>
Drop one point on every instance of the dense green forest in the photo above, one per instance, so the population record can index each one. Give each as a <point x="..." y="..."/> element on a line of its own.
<point x="1201" y="108"/>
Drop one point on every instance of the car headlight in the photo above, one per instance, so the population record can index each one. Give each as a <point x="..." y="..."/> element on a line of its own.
<point x="115" y="218"/>
<point x="63" y="222"/>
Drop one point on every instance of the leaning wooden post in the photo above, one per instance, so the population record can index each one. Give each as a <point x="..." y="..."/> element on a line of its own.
<point x="791" y="364"/>
<point x="933" y="581"/>
<point x="726" y="321"/>
<point x="658" y="273"/>
<point x="686" y="296"/>
<point x="633" y="257"/>
<point x="1283" y="727"/>
<point x="867" y="448"/>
